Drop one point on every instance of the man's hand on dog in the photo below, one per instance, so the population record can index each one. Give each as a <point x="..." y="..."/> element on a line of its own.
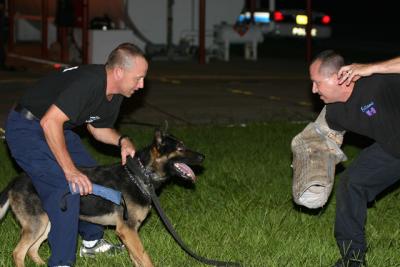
<point x="127" y="149"/>
<point x="79" y="181"/>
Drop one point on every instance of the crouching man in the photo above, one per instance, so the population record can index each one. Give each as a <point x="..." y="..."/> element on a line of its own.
<point x="39" y="133"/>
<point x="368" y="107"/>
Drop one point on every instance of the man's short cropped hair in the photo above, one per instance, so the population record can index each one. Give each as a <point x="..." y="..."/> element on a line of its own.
<point x="122" y="55"/>
<point x="331" y="62"/>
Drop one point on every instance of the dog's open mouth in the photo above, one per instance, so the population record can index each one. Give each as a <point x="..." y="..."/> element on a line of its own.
<point x="185" y="171"/>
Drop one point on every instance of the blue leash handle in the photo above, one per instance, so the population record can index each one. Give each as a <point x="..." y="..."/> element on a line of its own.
<point x="101" y="191"/>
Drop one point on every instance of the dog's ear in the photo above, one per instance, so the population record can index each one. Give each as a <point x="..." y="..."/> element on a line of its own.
<point x="165" y="130"/>
<point x="158" y="136"/>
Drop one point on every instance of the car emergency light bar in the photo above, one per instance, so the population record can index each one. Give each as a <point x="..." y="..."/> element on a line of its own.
<point x="264" y="17"/>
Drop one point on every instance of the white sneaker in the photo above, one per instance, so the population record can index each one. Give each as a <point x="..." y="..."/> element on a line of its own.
<point x="102" y="246"/>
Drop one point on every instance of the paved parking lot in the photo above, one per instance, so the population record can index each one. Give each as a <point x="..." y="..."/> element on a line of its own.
<point x="188" y="93"/>
<point x="276" y="87"/>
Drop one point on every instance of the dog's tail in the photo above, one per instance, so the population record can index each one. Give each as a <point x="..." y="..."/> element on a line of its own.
<point x="4" y="201"/>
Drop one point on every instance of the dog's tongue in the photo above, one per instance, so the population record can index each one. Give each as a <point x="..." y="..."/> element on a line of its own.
<point x="186" y="170"/>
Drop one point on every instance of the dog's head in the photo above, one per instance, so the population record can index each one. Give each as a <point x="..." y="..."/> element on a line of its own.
<point x="168" y="157"/>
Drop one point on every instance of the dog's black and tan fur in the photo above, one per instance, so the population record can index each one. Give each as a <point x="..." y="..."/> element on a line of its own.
<point x="166" y="157"/>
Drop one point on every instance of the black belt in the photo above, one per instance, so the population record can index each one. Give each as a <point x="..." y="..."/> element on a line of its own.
<point x="25" y="113"/>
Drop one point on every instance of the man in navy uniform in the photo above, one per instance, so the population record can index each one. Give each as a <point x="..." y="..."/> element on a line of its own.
<point x="40" y="137"/>
<point x="368" y="107"/>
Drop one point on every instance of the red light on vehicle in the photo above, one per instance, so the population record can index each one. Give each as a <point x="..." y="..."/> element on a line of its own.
<point x="278" y="16"/>
<point x="326" y="19"/>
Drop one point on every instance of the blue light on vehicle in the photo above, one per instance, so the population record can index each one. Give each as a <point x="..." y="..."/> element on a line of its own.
<point x="244" y="17"/>
<point x="259" y="17"/>
<point x="262" y="17"/>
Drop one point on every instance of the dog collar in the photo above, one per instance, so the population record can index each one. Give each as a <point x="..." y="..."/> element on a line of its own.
<point x="139" y="175"/>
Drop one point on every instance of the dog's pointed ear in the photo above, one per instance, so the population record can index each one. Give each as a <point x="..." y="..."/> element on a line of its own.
<point x="165" y="130"/>
<point x="158" y="136"/>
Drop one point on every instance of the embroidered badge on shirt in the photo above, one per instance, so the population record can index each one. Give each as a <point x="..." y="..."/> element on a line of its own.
<point x="369" y="109"/>
<point x="92" y="119"/>
<point x="72" y="68"/>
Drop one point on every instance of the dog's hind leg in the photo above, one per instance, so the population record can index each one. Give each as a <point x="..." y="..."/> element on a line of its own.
<point x="33" y="250"/>
<point x="22" y="247"/>
<point x="32" y="230"/>
<point x="131" y="240"/>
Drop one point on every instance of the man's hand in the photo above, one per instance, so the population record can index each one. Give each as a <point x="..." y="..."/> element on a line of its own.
<point x="127" y="149"/>
<point x="353" y="72"/>
<point x="79" y="181"/>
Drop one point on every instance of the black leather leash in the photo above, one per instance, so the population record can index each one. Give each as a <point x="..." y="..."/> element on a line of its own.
<point x="136" y="167"/>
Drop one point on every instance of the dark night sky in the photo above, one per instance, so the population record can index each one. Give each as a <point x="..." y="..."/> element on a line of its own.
<point x="362" y="19"/>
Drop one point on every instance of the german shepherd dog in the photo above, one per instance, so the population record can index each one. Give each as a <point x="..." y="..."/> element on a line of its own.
<point x="166" y="157"/>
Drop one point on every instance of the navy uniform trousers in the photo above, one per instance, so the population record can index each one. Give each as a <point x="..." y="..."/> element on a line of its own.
<point x="27" y="144"/>
<point x="371" y="173"/>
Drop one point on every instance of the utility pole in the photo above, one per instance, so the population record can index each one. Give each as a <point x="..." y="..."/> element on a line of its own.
<point x="309" y="27"/>
<point x="202" y="31"/>
<point x="85" y="32"/>
<point x="11" y="25"/>
<point x="170" y="5"/>
<point x="45" y="27"/>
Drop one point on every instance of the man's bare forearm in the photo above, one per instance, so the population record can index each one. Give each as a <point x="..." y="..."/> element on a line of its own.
<point x="105" y="135"/>
<point x="112" y="137"/>
<point x="388" y="66"/>
<point x="54" y="134"/>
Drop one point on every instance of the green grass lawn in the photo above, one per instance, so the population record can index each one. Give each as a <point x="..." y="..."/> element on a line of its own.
<point x="240" y="209"/>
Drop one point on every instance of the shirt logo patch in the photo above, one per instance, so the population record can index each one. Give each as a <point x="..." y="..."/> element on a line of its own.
<point x="92" y="119"/>
<point x="369" y="109"/>
<point x="72" y="68"/>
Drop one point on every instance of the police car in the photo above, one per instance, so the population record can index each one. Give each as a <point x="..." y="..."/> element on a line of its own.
<point x="288" y="22"/>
